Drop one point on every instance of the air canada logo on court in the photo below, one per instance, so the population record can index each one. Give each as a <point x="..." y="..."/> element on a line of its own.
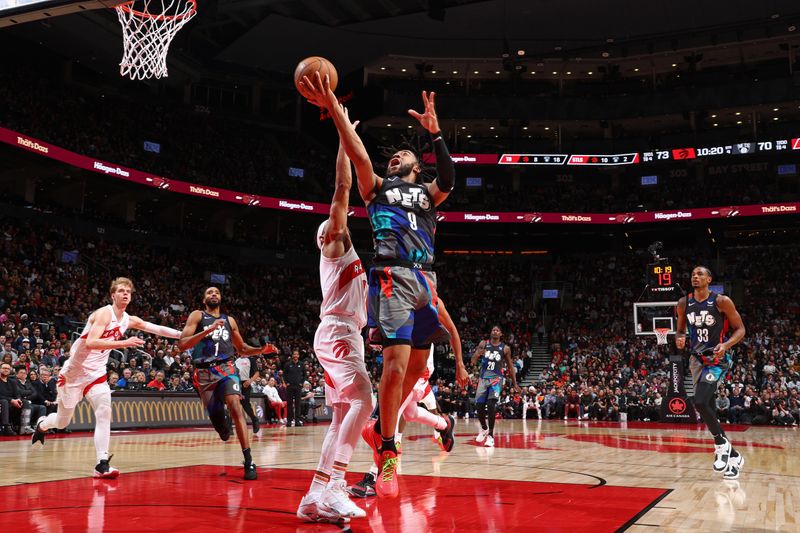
<point x="677" y="406"/>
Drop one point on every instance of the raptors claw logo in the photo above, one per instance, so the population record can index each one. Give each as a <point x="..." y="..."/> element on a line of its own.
<point x="159" y="183"/>
<point x="341" y="349"/>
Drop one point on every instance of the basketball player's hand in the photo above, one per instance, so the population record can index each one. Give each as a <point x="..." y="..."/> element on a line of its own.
<point x="318" y="91"/>
<point x="428" y="118"/>
<point x="720" y="349"/>
<point x="270" y="348"/>
<point x="462" y="376"/>
<point x="680" y="341"/>
<point x="218" y="323"/>
<point x="133" y="342"/>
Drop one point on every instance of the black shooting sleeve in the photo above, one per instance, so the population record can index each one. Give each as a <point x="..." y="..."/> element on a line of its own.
<point x="445" y="169"/>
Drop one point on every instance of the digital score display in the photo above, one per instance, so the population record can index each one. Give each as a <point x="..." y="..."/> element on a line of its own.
<point x="661" y="275"/>
<point x="662" y="282"/>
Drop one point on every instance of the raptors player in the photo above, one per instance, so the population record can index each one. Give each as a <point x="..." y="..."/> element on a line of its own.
<point x="84" y="373"/>
<point x="340" y="349"/>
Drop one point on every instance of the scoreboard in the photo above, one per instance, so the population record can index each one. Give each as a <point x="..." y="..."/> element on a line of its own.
<point x="662" y="284"/>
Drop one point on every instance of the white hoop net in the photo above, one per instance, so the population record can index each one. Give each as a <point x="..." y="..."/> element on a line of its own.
<point x="661" y="335"/>
<point x="148" y="27"/>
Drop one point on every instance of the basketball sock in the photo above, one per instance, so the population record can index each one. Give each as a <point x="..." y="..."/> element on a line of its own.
<point x="101" y="403"/>
<point x="338" y="471"/>
<point x="492" y="412"/>
<point x="482" y="415"/>
<point x="353" y="418"/>
<point x="387" y="445"/>
<point x="248" y="458"/>
<point x="719" y="439"/>
<point x="319" y="482"/>
<point x="374" y="470"/>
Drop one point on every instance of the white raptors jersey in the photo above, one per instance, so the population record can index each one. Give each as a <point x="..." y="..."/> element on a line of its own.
<point x="344" y="287"/>
<point x="93" y="362"/>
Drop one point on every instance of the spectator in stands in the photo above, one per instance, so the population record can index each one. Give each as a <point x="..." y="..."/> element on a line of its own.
<point x="781" y="415"/>
<point x="10" y="400"/>
<point x="157" y="383"/>
<point x="32" y="405"/>
<point x="46" y="389"/>
<point x="723" y="406"/>
<point x="308" y="405"/>
<point x="125" y="379"/>
<point x="278" y="405"/>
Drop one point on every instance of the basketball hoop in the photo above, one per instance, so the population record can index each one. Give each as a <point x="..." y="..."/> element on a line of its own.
<point x="148" y="27"/>
<point x="661" y="335"/>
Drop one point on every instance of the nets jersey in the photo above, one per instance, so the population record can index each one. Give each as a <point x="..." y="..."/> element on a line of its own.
<point x="215" y="347"/>
<point x="492" y="362"/>
<point x="93" y="362"/>
<point x="344" y="287"/>
<point x="403" y="220"/>
<point x="707" y="325"/>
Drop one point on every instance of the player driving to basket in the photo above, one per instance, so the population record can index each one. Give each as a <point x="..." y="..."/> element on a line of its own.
<point x="402" y="285"/>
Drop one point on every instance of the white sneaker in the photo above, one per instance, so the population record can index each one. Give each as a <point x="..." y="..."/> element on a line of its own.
<point x="466" y="416"/>
<point x="482" y="435"/>
<point x="565" y="418"/>
<point x="312" y="510"/>
<point x="335" y="499"/>
<point x="27" y="430"/>
<point x="735" y="465"/>
<point x="722" y="455"/>
<point x="489" y="441"/>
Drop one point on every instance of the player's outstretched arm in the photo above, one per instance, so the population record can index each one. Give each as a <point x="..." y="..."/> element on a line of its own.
<point x="242" y="348"/>
<point x="478" y="353"/>
<point x="462" y="377"/>
<point x="728" y="308"/>
<point x="100" y="321"/>
<point x="680" y="331"/>
<point x="320" y="94"/>
<point x="162" y="331"/>
<point x="445" y="169"/>
<point x="188" y="338"/>
<point x="336" y="229"/>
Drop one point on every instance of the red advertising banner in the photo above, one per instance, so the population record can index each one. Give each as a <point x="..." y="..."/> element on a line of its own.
<point x="464" y="159"/>
<point x="215" y="193"/>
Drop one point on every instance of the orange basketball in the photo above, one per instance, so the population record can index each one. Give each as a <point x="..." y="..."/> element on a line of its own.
<point x="309" y="66"/>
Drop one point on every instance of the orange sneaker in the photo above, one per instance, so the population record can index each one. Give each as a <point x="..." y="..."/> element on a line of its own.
<point x="373" y="440"/>
<point x="386" y="484"/>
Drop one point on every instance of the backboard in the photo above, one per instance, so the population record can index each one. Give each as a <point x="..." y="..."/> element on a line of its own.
<point x="647" y="316"/>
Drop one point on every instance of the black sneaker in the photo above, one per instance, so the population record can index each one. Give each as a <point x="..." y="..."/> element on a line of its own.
<point x="7" y="432"/>
<point x="364" y="488"/>
<point x="256" y="425"/>
<point x="448" y="441"/>
<point x="250" y="471"/>
<point x="105" y="470"/>
<point x="38" y="435"/>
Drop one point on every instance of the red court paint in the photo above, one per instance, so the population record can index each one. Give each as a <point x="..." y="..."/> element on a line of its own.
<point x="213" y="498"/>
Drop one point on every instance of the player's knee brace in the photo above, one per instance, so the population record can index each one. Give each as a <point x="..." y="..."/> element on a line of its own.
<point x="492" y="405"/>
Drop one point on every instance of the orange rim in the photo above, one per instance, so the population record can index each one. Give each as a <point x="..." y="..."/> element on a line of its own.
<point x="127" y="6"/>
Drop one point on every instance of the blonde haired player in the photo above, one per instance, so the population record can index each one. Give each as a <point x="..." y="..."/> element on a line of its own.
<point x="84" y="373"/>
<point x="340" y="349"/>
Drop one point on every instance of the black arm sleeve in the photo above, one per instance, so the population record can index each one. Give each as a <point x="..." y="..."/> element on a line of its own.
<point x="445" y="170"/>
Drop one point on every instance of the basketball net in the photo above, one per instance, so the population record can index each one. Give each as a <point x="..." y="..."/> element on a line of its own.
<point x="661" y="335"/>
<point x="148" y="27"/>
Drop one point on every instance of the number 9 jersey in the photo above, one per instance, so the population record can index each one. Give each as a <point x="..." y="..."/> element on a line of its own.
<point x="403" y="220"/>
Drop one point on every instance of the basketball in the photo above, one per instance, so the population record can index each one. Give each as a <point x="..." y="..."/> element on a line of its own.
<point x="310" y="65"/>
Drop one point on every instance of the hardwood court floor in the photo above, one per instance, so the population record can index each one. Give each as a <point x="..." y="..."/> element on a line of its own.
<point x="541" y="476"/>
